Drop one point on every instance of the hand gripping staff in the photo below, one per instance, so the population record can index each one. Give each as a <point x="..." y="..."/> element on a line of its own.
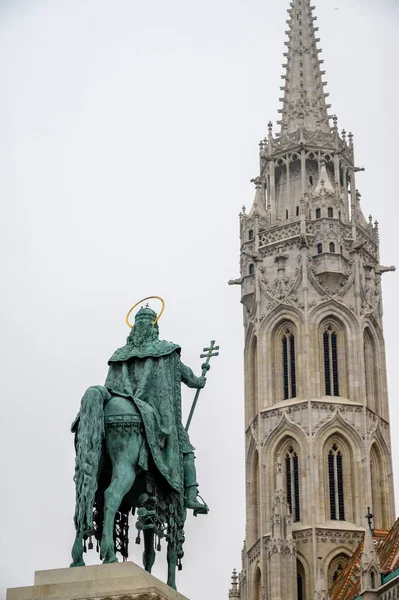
<point x="209" y="353"/>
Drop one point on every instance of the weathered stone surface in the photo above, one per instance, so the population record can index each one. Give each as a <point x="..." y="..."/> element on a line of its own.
<point x="117" y="581"/>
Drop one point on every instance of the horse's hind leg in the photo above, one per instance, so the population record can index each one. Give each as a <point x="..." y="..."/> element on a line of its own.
<point x="124" y="452"/>
<point x="149" y="551"/>
<point x="77" y="552"/>
<point x="123" y="476"/>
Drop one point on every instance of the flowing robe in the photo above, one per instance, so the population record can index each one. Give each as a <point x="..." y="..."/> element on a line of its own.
<point x="151" y="377"/>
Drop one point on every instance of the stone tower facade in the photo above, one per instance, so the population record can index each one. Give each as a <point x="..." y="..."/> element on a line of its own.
<point x="316" y="404"/>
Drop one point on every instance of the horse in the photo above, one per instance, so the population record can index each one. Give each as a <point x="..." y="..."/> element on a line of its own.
<point x="109" y="437"/>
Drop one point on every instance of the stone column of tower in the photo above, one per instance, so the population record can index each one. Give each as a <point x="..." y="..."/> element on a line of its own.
<point x="315" y="375"/>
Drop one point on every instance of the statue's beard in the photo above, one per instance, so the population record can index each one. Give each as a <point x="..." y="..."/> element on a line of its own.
<point x="142" y="333"/>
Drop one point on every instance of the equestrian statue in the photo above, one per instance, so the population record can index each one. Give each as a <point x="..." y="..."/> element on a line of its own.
<point x="133" y="453"/>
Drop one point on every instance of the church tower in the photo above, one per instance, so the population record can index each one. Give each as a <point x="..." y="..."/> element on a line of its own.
<point x="317" y="428"/>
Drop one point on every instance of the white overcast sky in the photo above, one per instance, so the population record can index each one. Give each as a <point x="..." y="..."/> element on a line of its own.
<point x="129" y="132"/>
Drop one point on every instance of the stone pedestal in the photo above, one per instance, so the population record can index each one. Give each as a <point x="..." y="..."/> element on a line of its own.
<point x="124" y="581"/>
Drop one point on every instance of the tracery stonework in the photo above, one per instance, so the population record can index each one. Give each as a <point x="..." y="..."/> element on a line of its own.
<point x="315" y="373"/>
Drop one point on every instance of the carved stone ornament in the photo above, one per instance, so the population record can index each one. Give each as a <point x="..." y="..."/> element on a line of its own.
<point x="282" y="290"/>
<point x="336" y="536"/>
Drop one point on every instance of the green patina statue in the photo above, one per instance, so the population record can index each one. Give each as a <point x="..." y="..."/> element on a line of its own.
<point x="133" y="453"/>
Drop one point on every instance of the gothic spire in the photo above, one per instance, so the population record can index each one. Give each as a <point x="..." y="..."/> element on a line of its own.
<point x="304" y="101"/>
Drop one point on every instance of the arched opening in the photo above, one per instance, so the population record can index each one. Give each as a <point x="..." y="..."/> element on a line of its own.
<point x="289" y="452"/>
<point x="331" y="373"/>
<point x="379" y="486"/>
<point x="257" y="584"/>
<point x="372" y="580"/>
<point x="312" y="169"/>
<point x="339" y="479"/>
<point x="254" y="499"/>
<point x="336" y="567"/>
<point x="332" y="247"/>
<point x="336" y="483"/>
<point x="289" y="366"/>
<point x="251" y="269"/>
<point x="300" y="577"/>
<point x="285" y="361"/>
<point x="320" y="248"/>
<point x="292" y="483"/>
<point x="371" y="371"/>
<point x="333" y="356"/>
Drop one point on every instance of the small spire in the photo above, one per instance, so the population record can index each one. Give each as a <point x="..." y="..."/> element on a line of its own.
<point x="258" y="206"/>
<point x="304" y="101"/>
<point x="234" y="591"/>
<point x="324" y="184"/>
<point x="270" y="128"/>
<point x="279" y="473"/>
<point x="369" y="560"/>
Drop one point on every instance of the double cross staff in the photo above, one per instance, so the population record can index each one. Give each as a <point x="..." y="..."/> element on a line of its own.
<point x="209" y="353"/>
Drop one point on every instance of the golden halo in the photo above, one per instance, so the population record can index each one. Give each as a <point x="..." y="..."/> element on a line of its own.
<point x="143" y="300"/>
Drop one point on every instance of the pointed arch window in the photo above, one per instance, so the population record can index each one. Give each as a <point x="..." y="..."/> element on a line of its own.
<point x="371" y="371"/>
<point x="319" y="248"/>
<point x="289" y="367"/>
<point x="300" y="578"/>
<point x="332" y="247"/>
<point x="336" y="484"/>
<point x="330" y="362"/>
<point x="292" y="483"/>
<point x="337" y="565"/>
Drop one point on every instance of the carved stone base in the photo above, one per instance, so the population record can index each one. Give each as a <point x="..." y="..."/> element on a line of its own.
<point x="119" y="581"/>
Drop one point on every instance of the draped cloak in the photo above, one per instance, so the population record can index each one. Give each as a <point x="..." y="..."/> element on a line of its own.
<point x="151" y="377"/>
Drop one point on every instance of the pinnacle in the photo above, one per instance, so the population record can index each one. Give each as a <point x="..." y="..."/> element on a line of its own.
<point x="304" y="102"/>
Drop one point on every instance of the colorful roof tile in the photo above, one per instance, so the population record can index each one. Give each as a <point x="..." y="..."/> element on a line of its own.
<point x="347" y="585"/>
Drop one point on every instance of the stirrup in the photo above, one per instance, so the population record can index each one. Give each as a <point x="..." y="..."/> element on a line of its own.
<point x="200" y="509"/>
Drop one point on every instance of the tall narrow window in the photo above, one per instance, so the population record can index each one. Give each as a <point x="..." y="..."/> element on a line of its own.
<point x="318" y="213"/>
<point x="299" y="586"/>
<point x="319" y="248"/>
<point x="289" y="369"/>
<point x="297" y="211"/>
<point x="370" y="371"/>
<point x="292" y="483"/>
<point x="300" y="578"/>
<point x="330" y="362"/>
<point x="336" y="484"/>
<point x="332" y="247"/>
<point x="286" y="213"/>
<point x="330" y="211"/>
<point x="251" y="234"/>
<point x="251" y="269"/>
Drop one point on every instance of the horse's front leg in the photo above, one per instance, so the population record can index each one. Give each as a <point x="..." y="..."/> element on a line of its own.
<point x="77" y="552"/>
<point x="149" y="551"/>
<point x="172" y="562"/>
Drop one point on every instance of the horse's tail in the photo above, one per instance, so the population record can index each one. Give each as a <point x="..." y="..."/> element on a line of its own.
<point x="89" y="446"/>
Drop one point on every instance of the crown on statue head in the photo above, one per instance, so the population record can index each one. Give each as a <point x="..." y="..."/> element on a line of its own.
<point x="146" y="314"/>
